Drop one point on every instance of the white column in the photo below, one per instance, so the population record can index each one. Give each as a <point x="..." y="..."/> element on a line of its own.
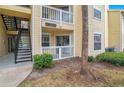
<point x="60" y="17"/>
<point x="60" y="53"/>
<point x="32" y="29"/>
<point x="122" y="32"/>
<point x="36" y="29"/>
<point x="41" y="29"/>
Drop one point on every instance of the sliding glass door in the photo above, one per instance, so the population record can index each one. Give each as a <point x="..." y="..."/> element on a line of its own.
<point x="62" y="40"/>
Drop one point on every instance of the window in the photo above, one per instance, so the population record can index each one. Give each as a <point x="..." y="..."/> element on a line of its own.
<point x="97" y="13"/>
<point x="62" y="40"/>
<point x="97" y="41"/>
<point x="45" y="40"/>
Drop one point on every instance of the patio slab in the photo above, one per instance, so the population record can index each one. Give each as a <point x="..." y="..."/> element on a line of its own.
<point x="11" y="74"/>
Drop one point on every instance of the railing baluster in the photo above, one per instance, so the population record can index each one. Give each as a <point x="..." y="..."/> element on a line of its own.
<point x="54" y="17"/>
<point x="57" y="15"/>
<point x="52" y="14"/>
<point x="59" y="52"/>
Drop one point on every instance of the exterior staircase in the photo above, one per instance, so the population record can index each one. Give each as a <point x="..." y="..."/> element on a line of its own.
<point x="23" y="53"/>
<point x="22" y="39"/>
<point x="10" y="22"/>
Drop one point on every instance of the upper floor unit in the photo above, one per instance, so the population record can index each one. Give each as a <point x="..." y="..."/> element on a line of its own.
<point x="67" y="16"/>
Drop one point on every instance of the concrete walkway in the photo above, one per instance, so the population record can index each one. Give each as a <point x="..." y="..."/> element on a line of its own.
<point x="12" y="74"/>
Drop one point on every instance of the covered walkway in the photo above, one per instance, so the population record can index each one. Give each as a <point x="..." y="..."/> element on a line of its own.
<point x="12" y="74"/>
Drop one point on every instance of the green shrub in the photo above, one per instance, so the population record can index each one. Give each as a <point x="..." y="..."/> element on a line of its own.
<point x="90" y="58"/>
<point x="43" y="61"/>
<point x="115" y="58"/>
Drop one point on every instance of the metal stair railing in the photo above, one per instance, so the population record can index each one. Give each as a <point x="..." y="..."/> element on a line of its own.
<point x="17" y="44"/>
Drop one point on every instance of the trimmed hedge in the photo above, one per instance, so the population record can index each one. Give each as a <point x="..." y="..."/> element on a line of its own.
<point x="43" y="61"/>
<point x="115" y="58"/>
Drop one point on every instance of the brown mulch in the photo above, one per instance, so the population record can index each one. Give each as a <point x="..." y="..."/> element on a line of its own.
<point x="59" y="65"/>
<point x="73" y="63"/>
<point x="66" y="73"/>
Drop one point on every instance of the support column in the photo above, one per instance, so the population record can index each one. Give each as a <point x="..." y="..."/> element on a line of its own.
<point x="36" y="29"/>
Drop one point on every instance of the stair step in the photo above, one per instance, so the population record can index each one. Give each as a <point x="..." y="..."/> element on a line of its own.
<point x="24" y="51"/>
<point x="23" y="60"/>
<point x="19" y="54"/>
<point x="23" y="56"/>
<point x="20" y="42"/>
<point x="21" y="46"/>
<point x="24" y="47"/>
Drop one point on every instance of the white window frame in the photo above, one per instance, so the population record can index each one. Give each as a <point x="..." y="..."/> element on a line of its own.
<point x="49" y="38"/>
<point x="94" y="41"/>
<point x="99" y="9"/>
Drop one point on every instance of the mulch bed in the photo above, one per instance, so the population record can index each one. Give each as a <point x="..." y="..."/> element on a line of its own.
<point x="67" y="64"/>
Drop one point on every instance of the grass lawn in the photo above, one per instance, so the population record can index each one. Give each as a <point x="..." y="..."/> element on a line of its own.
<point x="64" y="74"/>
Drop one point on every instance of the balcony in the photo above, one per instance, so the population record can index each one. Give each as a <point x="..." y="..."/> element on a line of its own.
<point x="57" y="15"/>
<point x="59" y="52"/>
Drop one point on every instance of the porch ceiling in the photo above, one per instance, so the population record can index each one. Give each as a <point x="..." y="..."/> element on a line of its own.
<point x="15" y="11"/>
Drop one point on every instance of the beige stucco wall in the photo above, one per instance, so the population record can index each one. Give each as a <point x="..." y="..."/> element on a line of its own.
<point x="3" y="39"/>
<point x="77" y="30"/>
<point x="114" y="29"/>
<point x="96" y="25"/>
<point x="58" y="25"/>
<point x="36" y="29"/>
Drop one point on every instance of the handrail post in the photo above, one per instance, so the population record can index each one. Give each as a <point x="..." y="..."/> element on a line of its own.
<point x="15" y="23"/>
<point x="17" y="44"/>
<point x="60" y="53"/>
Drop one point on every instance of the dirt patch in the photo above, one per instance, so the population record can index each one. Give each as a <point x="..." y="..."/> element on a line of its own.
<point x="108" y="66"/>
<point x="59" y="65"/>
<point x="66" y="73"/>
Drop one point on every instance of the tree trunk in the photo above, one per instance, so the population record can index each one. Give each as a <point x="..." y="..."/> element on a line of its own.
<point x="84" y="66"/>
<point x="86" y="70"/>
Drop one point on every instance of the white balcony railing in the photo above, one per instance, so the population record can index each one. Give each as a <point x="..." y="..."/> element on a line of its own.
<point x="59" y="52"/>
<point x="57" y="15"/>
